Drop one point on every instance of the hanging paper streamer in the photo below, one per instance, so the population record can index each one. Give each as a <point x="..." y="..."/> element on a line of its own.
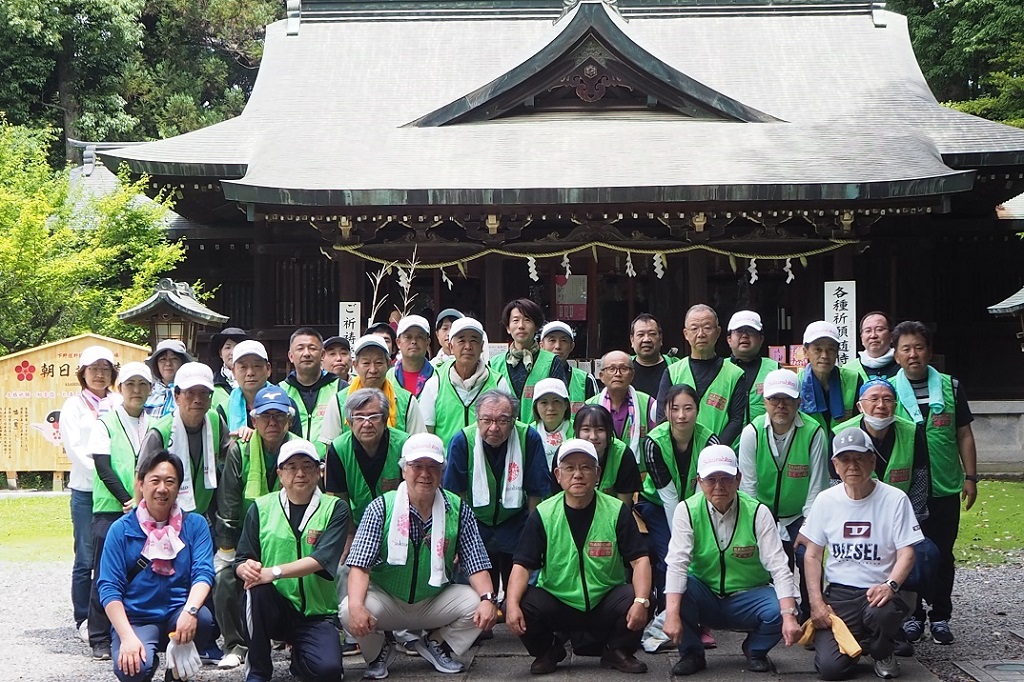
<point x="447" y="280"/>
<point x="659" y="265"/>
<point x="752" y="269"/>
<point x="565" y="264"/>
<point x="531" y="267"/>
<point x="803" y="261"/>
<point x="629" y="265"/>
<point x="462" y="269"/>
<point x="788" y="269"/>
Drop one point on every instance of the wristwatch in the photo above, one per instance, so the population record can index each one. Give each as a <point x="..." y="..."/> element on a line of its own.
<point x="893" y="585"/>
<point x="489" y="596"/>
<point x="791" y="611"/>
<point x="276" y="572"/>
<point x="643" y="601"/>
<point x="971" y="477"/>
<point x="193" y="611"/>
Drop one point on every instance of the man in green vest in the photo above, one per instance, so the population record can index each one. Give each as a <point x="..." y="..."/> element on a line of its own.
<point x="645" y="337"/>
<point x="745" y="339"/>
<point x="251" y="367"/>
<point x="827" y="392"/>
<point x="309" y="385"/>
<point x="784" y="463"/>
<point x="449" y="398"/>
<point x="878" y="357"/>
<point x="337" y="358"/>
<point x="717" y="382"/>
<point x="632" y="410"/>
<point x="401" y="571"/>
<point x="287" y="560"/>
<point x="727" y="569"/>
<point x="937" y="403"/>
<point x="412" y="370"/>
<point x="581" y="542"/>
<point x="250" y="472"/>
<point x="557" y="337"/>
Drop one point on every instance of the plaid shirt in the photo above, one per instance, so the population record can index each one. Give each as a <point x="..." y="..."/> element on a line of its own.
<point x="365" y="551"/>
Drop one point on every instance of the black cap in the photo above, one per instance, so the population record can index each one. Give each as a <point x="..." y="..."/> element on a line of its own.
<point x="233" y="333"/>
<point x="337" y="341"/>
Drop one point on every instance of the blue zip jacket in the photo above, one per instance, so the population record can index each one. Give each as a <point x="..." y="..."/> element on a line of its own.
<point x="152" y="598"/>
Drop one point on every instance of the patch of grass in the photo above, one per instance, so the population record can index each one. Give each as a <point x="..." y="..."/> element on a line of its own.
<point x="35" y="528"/>
<point x="992" y="532"/>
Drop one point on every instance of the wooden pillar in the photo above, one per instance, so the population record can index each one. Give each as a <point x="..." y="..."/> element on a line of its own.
<point x="263" y="279"/>
<point x="842" y="263"/>
<point x="697" y="274"/>
<point x="631" y="298"/>
<point x="494" y="297"/>
<point x="593" y="345"/>
<point x="437" y="293"/>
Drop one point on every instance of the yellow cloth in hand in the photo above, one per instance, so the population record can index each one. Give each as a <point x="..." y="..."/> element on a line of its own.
<point x="848" y="644"/>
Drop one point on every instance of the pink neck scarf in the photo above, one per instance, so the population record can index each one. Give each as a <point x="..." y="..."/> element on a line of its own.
<point x="162" y="543"/>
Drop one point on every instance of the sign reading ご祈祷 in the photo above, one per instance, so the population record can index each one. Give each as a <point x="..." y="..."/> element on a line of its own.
<point x="349" y="315"/>
<point x="841" y="310"/>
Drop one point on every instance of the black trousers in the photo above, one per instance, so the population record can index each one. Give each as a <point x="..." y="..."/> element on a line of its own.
<point x="602" y="627"/>
<point x="874" y="627"/>
<point x="99" y="624"/>
<point x="316" y="646"/>
<point x="941" y="527"/>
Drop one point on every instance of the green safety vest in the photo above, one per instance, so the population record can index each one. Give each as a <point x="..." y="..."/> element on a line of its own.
<point x="494" y="513"/>
<point x="784" y="489"/>
<point x="900" y="469"/>
<point x="541" y="370"/>
<point x="577" y="578"/>
<point x="410" y="582"/>
<point x="755" y="396"/>
<point x="451" y="415"/>
<point x="202" y="494"/>
<point x="713" y="410"/>
<point x="577" y="390"/>
<point x="254" y="472"/>
<point x="738" y="566"/>
<point x="610" y="468"/>
<point x="662" y="436"/>
<point x="401" y="410"/>
<point x="311" y="595"/>
<point x="122" y="460"/>
<point x="641" y="411"/>
<point x="311" y="422"/>
<point x="947" y="471"/>
<point x="220" y="397"/>
<point x="848" y="380"/>
<point x="360" y="493"/>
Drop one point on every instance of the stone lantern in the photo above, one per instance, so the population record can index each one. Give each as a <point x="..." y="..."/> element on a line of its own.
<point x="172" y="312"/>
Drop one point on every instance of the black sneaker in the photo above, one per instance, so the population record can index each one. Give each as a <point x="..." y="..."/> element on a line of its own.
<point x="913" y="629"/>
<point x="101" y="652"/>
<point x="941" y="634"/>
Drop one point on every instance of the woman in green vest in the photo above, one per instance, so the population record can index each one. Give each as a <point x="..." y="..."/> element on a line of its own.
<point x="669" y="458"/>
<point x="525" y="363"/>
<point x="552" y="416"/>
<point x="827" y="392"/>
<point x="620" y="475"/>
<point x="114" y="443"/>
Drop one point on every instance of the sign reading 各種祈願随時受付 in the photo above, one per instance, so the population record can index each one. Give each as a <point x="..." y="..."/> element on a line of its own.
<point x="841" y="310"/>
<point x="349" y="316"/>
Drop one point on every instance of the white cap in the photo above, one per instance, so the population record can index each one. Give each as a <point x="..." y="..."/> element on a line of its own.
<point x="745" y="318"/>
<point x="550" y="386"/>
<point x="423" y="446"/>
<point x="574" y="445"/>
<point x="95" y="354"/>
<point x="717" y="458"/>
<point x="297" y="446"/>
<point x="417" y="321"/>
<point x="465" y="323"/>
<point x="193" y="374"/>
<point x="134" y="369"/>
<point x="781" y="382"/>
<point x="821" y="330"/>
<point x="370" y="341"/>
<point x="557" y="326"/>
<point x="249" y="347"/>
<point x="852" y="440"/>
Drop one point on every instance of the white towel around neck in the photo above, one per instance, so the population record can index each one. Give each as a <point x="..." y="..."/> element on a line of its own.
<point x="398" y="534"/>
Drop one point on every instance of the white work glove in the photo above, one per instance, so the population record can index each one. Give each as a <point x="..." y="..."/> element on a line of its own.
<point x="171" y="653"/>
<point x="224" y="558"/>
<point x="186" y="661"/>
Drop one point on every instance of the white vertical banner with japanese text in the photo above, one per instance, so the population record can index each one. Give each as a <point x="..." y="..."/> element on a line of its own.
<point x="349" y="316"/>
<point x="841" y="310"/>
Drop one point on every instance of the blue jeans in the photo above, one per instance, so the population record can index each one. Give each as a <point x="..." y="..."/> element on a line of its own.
<point x="658" y="535"/>
<point x="922" y="578"/>
<point x="154" y="638"/>
<point x="755" y="611"/>
<point x="81" y="571"/>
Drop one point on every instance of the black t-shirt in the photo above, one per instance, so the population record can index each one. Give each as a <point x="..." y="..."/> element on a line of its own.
<point x="627" y="482"/>
<point x="532" y="549"/>
<point x="647" y="378"/>
<point x="335" y="476"/>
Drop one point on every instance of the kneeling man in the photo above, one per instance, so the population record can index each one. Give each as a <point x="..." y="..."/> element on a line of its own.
<point x="724" y="552"/>
<point x="870" y="531"/>
<point x="581" y="541"/>
<point x="401" y="571"/>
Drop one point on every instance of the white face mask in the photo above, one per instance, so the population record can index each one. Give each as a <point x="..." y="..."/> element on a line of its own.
<point x="879" y="423"/>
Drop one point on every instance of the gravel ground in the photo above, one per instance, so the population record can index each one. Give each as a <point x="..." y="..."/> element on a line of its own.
<point x="41" y="645"/>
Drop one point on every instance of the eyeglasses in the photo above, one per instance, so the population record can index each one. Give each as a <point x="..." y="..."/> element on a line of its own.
<point x="617" y="369"/>
<point x="489" y="421"/>
<point x="305" y="467"/>
<point x="777" y="400"/>
<point x="706" y="328"/>
<point x="367" y="418"/>
<point x="276" y="417"/>
<point x="585" y="469"/>
<point x="886" y="400"/>
<point x="715" y="481"/>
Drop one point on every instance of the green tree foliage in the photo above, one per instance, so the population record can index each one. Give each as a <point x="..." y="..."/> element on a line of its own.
<point x="70" y="261"/>
<point x="972" y="53"/>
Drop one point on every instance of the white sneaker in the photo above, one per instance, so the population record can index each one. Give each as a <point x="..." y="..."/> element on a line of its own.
<point x="887" y="668"/>
<point x="229" y="661"/>
<point x="83" y="631"/>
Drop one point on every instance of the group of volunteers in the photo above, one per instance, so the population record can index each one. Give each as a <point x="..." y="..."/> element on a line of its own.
<point x="381" y="501"/>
